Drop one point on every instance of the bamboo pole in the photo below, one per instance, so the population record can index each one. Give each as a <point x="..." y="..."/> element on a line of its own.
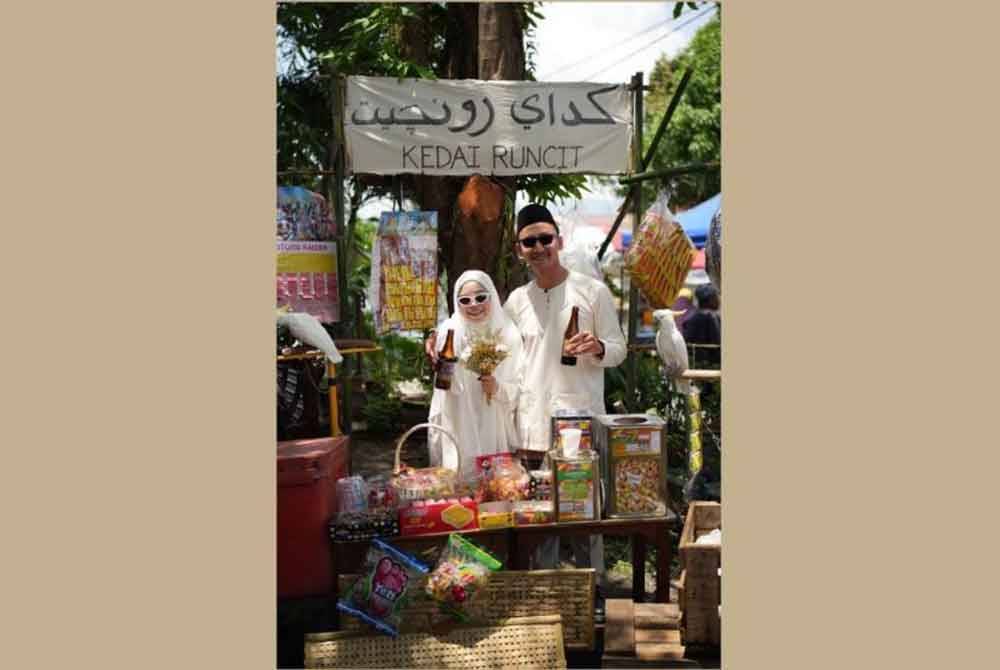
<point x="669" y="172"/>
<point x="631" y="364"/>
<point x="674" y="101"/>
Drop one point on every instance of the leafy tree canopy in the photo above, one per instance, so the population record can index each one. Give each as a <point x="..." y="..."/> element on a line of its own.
<point x="695" y="132"/>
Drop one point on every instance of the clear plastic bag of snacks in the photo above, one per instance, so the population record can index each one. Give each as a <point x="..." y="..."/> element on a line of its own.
<point x="381" y="495"/>
<point x="502" y="478"/>
<point x="461" y="574"/>
<point x="385" y="587"/>
<point x="659" y="258"/>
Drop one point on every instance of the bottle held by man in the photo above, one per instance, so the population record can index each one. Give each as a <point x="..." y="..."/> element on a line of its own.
<point x="572" y="328"/>
<point x="446" y="363"/>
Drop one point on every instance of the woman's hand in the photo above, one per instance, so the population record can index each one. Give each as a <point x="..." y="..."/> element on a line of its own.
<point x="430" y="349"/>
<point x="490" y="386"/>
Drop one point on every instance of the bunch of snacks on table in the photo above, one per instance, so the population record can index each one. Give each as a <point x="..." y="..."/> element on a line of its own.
<point x="529" y="512"/>
<point x="438" y="516"/>
<point x="382" y="497"/>
<point x="461" y="573"/>
<point x="413" y="484"/>
<point x="382" y="592"/>
<point x="496" y="514"/>
<point x="502" y="477"/>
<point x="540" y="485"/>
<point x="373" y="524"/>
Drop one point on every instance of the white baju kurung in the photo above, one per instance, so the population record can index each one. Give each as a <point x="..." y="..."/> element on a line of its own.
<point x="479" y="428"/>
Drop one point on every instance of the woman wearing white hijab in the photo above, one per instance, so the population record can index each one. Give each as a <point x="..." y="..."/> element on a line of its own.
<point x="481" y="428"/>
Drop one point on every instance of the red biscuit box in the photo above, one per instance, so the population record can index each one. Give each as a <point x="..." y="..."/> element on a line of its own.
<point x="307" y="475"/>
<point x="438" y="516"/>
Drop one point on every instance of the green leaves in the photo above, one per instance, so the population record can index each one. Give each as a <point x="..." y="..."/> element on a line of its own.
<point x="695" y="132"/>
<point x="679" y="7"/>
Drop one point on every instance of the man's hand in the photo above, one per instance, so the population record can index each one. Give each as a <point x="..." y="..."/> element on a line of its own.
<point x="585" y="343"/>
<point x="429" y="348"/>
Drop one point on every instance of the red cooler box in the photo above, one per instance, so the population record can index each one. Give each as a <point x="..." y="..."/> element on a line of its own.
<point x="308" y="471"/>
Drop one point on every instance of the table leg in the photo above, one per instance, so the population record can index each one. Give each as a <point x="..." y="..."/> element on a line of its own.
<point x="639" y="567"/>
<point x="660" y="538"/>
<point x="522" y="547"/>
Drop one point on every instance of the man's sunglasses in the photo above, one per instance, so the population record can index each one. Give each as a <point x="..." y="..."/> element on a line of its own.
<point x="529" y="241"/>
<point x="480" y="298"/>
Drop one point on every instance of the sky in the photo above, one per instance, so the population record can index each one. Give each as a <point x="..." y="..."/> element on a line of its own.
<point x="610" y="41"/>
<point x="602" y="42"/>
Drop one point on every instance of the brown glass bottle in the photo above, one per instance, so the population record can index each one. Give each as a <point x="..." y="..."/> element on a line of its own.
<point x="446" y="363"/>
<point x="572" y="328"/>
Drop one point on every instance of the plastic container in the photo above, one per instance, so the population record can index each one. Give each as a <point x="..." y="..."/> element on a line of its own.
<point x="307" y="471"/>
<point x="571" y="418"/>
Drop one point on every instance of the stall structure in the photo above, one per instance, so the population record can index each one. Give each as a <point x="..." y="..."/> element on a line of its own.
<point x="387" y="126"/>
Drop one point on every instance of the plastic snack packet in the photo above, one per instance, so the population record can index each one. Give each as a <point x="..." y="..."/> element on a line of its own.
<point x="460" y="575"/>
<point x="384" y="588"/>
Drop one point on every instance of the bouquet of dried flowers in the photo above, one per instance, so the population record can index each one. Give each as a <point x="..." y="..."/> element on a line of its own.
<point x="482" y="354"/>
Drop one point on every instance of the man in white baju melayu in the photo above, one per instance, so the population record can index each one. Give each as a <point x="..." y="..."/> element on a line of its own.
<point x="541" y="310"/>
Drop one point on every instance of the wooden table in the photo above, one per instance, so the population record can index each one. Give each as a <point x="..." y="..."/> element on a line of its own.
<point x="514" y="546"/>
<point x="654" y="532"/>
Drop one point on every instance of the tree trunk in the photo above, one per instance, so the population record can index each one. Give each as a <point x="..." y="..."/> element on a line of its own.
<point x="483" y="41"/>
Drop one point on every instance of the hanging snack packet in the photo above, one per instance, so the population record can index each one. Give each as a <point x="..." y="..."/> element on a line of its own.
<point x="461" y="573"/>
<point x="384" y="588"/>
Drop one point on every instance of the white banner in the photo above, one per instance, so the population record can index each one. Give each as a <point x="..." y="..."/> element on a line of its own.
<point x="462" y="127"/>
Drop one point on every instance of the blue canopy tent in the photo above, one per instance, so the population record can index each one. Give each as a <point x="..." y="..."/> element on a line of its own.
<point x="696" y="220"/>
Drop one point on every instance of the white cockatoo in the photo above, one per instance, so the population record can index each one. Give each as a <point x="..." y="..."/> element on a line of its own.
<point x="307" y="329"/>
<point x="670" y="344"/>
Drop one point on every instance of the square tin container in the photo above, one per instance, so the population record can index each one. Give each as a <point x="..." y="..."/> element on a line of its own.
<point x="576" y="486"/>
<point x="633" y="449"/>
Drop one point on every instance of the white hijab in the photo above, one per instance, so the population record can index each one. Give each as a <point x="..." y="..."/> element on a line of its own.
<point x="479" y="428"/>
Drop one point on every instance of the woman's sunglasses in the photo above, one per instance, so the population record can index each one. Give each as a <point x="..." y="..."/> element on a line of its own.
<point x="529" y="241"/>
<point x="480" y="298"/>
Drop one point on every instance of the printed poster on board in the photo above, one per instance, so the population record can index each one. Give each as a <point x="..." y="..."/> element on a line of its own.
<point x="403" y="288"/>
<point x="306" y="263"/>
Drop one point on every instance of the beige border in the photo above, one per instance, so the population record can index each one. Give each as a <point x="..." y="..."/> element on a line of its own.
<point x="857" y="172"/>
<point x="139" y="419"/>
<point x="138" y="423"/>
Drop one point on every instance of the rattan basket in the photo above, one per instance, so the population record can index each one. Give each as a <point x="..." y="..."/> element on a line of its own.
<point x="510" y="593"/>
<point x="404" y="495"/>
<point x="523" y="642"/>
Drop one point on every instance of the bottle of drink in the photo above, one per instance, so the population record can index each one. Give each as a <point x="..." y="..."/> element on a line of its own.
<point x="446" y="363"/>
<point x="571" y="330"/>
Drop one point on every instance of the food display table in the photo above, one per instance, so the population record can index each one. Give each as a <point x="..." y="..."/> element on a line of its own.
<point x="514" y="546"/>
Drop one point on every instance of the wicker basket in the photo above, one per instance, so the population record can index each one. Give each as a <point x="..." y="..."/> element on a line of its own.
<point x="510" y="593"/>
<point x="700" y="590"/>
<point x="524" y="642"/>
<point x="405" y="496"/>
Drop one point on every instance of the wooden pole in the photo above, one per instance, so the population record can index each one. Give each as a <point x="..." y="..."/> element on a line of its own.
<point x="337" y="107"/>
